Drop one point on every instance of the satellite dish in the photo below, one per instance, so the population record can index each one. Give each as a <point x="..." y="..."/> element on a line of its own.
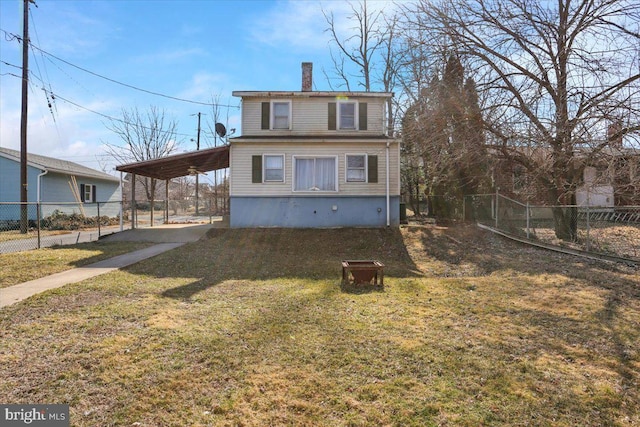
<point x="221" y="130"/>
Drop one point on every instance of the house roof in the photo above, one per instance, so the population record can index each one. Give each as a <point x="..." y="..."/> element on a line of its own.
<point x="315" y="138"/>
<point x="309" y="94"/>
<point x="51" y="164"/>
<point x="180" y="164"/>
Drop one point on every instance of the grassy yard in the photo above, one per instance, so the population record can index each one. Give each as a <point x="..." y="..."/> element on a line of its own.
<point x="252" y="328"/>
<point x="21" y="267"/>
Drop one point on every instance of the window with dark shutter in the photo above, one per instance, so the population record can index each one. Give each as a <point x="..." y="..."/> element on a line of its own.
<point x="362" y="120"/>
<point x="372" y="168"/>
<point x="93" y="193"/>
<point x="256" y="169"/>
<point x="332" y="116"/>
<point x="266" y="114"/>
<point x="82" y="192"/>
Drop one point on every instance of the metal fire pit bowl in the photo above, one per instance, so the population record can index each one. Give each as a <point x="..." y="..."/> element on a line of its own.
<point x="362" y="272"/>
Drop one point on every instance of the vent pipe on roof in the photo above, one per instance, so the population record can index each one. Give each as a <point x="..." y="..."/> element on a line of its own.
<point x="307" y="76"/>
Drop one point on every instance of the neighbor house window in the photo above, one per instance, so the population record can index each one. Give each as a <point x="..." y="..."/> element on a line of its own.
<point x="356" y="168"/>
<point x="273" y="168"/>
<point x="347" y="115"/>
<point x="87" y="193"/>
<point x="315" y="174"/>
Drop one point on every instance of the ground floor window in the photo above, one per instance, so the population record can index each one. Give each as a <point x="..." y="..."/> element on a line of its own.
<point x="87" y="193"/>
<point x="315" y="174"/>
<point x="273" y="168"/>
<point x="356" y="168"/>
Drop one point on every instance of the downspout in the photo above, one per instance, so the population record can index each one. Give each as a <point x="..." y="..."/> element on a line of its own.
<point x="387" y="186"/>
<point x="39" y="186"/>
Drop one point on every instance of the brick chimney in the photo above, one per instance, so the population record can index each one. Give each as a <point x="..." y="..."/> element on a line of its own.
<point x="307" y="76"/>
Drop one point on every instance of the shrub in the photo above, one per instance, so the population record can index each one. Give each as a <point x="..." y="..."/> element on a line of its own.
<point x="75" y="221"/>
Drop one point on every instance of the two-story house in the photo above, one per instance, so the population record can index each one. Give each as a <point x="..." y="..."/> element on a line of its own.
<point x="314" y="159"/>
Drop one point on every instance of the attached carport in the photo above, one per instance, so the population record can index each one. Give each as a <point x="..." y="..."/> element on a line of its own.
<point x="175" y="166"/>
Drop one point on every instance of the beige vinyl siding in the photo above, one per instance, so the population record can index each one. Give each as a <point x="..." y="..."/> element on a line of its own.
<point x="241" y="154"/>
<point x="309" y="115"/>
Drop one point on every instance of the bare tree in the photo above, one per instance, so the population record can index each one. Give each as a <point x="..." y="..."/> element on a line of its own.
<point x="359" y="47"/>
<point x="556" y="74"/>
<point x="143" y="136"/>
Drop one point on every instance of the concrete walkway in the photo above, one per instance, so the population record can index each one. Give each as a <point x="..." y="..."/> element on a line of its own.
<point x="167" y="237"/>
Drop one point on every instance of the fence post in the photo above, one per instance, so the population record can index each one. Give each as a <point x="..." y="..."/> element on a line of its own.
<point x="588" y="224"/>
<point x="38" y="213"/>
<point x="527" y="214"/>
<point x="497" y="195"/>
<point x="464" y="208"/>
<point x="99" y="221"/>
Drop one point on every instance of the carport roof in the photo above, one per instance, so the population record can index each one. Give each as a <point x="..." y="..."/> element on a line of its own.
<point x="180" y="164"/>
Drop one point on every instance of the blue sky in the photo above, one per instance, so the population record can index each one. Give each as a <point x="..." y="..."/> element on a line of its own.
<point x="195" y="50"/>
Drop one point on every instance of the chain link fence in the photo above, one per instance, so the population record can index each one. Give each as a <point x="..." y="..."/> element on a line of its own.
<point x="26" y="226"/>
<point x="607" y="230"/>
<point x="442" y="207"/>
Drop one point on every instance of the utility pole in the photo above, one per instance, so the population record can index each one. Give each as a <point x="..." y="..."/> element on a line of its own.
<point x="24" y="217"/>
<point x="197" y="173"/>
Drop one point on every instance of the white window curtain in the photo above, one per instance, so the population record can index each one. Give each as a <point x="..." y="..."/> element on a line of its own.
<point x="316" y="174"/>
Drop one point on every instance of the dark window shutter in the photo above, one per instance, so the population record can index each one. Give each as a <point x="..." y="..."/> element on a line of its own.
<point x="256" y="169"/>
<point x="93" y="194"/>
<point x="266" y="115"/>
<point x="332" y="116"/>
<point x="82" y="192"/>
<point x="362" y="107"/>
<point x="372" y="166"/>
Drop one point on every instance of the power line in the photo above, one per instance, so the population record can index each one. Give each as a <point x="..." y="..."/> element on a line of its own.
<point x="57" y="96"/>
<point x="11" y="36"/>
<point x="106" y="116"/>
<point x="131" y="86"/>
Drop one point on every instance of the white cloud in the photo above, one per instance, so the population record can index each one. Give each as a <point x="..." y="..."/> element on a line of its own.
<point x="170" y="56"/>
<point x="203" y="85"/>
<point x="76" y="33"/>
<point x="302" y="24"/>
<point x="297" y="24"/>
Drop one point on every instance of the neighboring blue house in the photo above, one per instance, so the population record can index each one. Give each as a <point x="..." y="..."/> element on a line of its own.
<point x="57" y="185"/>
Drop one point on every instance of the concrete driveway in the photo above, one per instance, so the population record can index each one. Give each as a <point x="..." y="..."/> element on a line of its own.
<point x="166" y="233"/>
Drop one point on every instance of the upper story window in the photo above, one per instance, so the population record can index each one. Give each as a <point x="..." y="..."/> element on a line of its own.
<point x="347" y="115"/>
<point x="347" y="112"/>
<point x="276" y="115"/>
<point x="281" y="118"/>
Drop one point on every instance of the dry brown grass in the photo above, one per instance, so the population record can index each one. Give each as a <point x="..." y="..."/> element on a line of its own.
<point x="23" y="266"/>
<point x="621" y="240"/>
<point x="251" y="327"/>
